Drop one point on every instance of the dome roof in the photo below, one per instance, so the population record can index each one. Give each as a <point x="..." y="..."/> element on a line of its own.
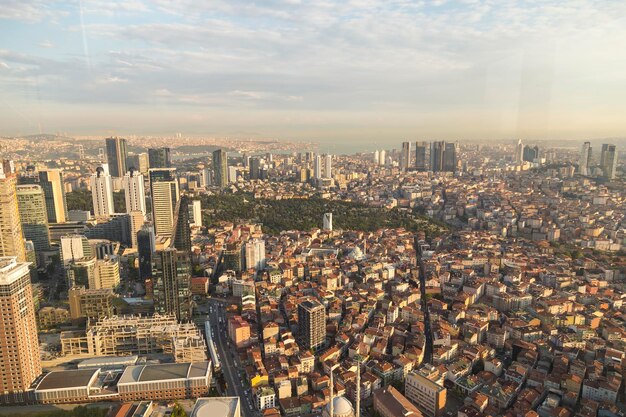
<point x="342" y="407"/>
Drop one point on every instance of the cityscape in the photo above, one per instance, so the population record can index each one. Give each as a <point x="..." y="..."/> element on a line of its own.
<point x="332" y="208"/>
<point x="432" y="279"/>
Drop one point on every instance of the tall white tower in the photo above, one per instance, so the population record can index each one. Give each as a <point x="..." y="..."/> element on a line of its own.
<point x="383" y="155"/>
<point x="317" y="167"/>
<point x="376" y="157"/>
<point x="102" y="193"/>
<point x="585" y="157"/>
<point x="196" y="213"/>
<point x="328" y="166"/>
<point x="328" y="221"/>
<point x="134" y="192"/>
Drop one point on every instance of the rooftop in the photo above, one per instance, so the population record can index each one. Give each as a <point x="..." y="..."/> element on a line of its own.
<point x="216" y="407"/>
<point x="161" y="372"/>
<point x="67" y="379"/>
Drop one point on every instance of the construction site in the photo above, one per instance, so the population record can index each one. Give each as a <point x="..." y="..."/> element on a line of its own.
<point x="136" y="335"/>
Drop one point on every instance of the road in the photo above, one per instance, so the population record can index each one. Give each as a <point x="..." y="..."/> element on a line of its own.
<point x="229" y="360"/>
<point x="428" y="332"/>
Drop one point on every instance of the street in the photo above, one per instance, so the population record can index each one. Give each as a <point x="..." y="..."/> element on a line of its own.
<point x="230" y="366"/>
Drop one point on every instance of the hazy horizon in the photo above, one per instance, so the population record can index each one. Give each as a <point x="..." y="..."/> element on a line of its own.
<point x="353" y="71"/>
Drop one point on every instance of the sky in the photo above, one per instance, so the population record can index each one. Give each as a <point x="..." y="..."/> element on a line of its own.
<point x="351" y="70"/>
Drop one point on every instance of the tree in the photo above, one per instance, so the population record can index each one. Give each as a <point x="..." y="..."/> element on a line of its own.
<point x="178" y="411"/>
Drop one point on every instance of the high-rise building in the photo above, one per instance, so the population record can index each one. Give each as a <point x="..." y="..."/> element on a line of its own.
<point x="172" y="283"/>
<point x="11" y="236"/>
<point x="196" y="213"/>
<point x="51" y="181"/>
<point x="134" y="192"/>
<point x="312" y="324"/>
<point x="255" y="168"/>
<point x="420" y="155"/>
<point x="102" y="193"/>
<point x="327" y="221"/>
<point x="424" y="387"/>
<point x="376" y="157"/>
<point x="182" y="232"/>
<point x="255" y="254"/>
<point x="137" y="220"/>
<point x="143" y="163"/>
<point x="328" y="166"/>
<point x="450" y="157"/>
<point x="530" y="153"/>
<point x="437" y="150"/>
<point x="220" y="168"/>
<point x="160" y="158"/>
<point x="608" y="160"/>
<point x="32" y="207"/>
<point x="519" y="152"/>
<point x="116" y="156"/>
<point x="81" y="272"/>
<point x="145" y="248"/>
<point x="20" y="363"/>
<point x="107" y="273"/>
<point x="585" y="159"/>
<point x="405" y="156"/>
<point x="383" y="158"/>
<point x="231" y="257"/>
<point x="317" y="167"/>
<point x="165" y="194"/>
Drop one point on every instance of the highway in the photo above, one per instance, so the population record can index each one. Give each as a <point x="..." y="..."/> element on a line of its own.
<point x="230" y="362"/>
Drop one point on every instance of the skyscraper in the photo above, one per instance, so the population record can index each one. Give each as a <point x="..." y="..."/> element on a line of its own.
<point x="420" y="155"/>
<point x="383" y="158"/>
<point x="160" y="158"/>
<point x="19" y="351"/>
<point x="437" y="149"/>
<point x="116" y="156"/>
<point x="317" y="167"/>
<point x="608" y="160"/>
<point x="585" y="159"/>
<point x="450" y="157"/>
<point x="172" y="284"/>
<point x="405" y="156"/>
<point x="312" y="325"/>
<point x="255" y="168"/>
<point x="32" y="207"/>
<point x="519" y="152"/>
<point x="530" y="153"/>
<point x="11" y="236"/>
<point x="328" y="166"/>
<point x="51" y="181"/>
<point x="182" y="233"/>
<point x="220" y="168"/>
<point x="134" y="191"/>
<point x="165" y="193"/>
<point x="102" y="193"/>
<point x="145" y="249"/>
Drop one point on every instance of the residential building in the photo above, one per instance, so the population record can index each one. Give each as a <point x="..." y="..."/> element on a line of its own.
<point x="11" y="236"/>
<point x="134" y="192"/>
<point x="312" y="324"/>
<point x="19" y="351"/>
<point x="102" y="193"/>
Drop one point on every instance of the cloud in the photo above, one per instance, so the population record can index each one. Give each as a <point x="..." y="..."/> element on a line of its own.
<point x="46" y="44"/>
<point x="324" y="58"/>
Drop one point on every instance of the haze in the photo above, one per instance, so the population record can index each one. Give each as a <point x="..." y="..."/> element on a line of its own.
<point x="349" y="70"/>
